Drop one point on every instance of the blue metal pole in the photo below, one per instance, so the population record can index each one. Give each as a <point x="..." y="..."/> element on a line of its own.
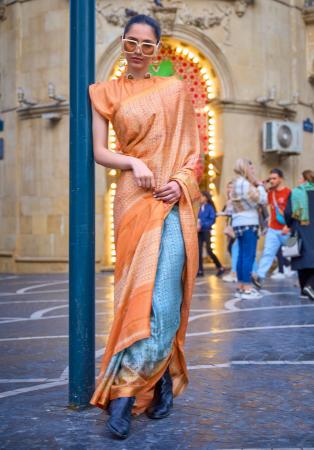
<point x="82" y="206"/>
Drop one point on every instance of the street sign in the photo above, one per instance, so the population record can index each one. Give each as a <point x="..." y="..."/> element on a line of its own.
<point x="308" y="125"/>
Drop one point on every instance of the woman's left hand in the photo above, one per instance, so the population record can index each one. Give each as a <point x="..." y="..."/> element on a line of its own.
<point x="170" y="193"/>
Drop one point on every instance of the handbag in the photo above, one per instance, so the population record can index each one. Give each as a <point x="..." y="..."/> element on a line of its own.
<point x="229" y="231"/>
<point x="279" y="216"/>
<point x="292" y="247"/>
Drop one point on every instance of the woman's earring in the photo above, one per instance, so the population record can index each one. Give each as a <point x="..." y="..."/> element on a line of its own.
<point x="122" y="60"/>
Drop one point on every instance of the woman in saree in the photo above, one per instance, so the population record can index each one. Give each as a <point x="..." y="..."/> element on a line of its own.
<point x="143" y="366"/>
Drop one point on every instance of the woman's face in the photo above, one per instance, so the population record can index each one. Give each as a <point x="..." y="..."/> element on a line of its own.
<point x="139" y="60"/>
<point x="301" y="180"/>
<point x="251" y="170"/>
<point x="203" y="199"/>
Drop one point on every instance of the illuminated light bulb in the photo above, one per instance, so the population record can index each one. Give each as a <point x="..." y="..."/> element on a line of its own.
<point x="191" y="55"/>
<point x="113" y="185"/>
<point x="212" y="121"/>
<point x="112" y="246"/>
<point x="211" y="134"/>
<point x="209" y="82"/>
<point x="112" y="239"/>
<point x="212" y="245"/>
<point x="118" y="73"/>
<point x="211" y="140"/>
<point x="112" y="138"/>
<point x="206" y="76"/>
<point x="113" y="172"/>
<point x="210" y="166"/>
<point x="212" y="186"/>
<point x="211" y="113"/>
<point x="203" y="70"/>
<point x="113" y="253"/>
<point x="179" y="50"/>
<point x="196" y="60"/>
<point x="211" y="147"/>
<point x="210" y="96"/>
<point x="210" y="89"/>
<point x="113" y="146"/>
<point x="185" y="51"/>
<point x="211" y="173"/>
<point x="211" y="153"/>
<point x="213" y="232"/>
<point x="211" y="127"/>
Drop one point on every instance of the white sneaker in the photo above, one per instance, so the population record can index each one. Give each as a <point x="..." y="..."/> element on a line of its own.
<point x="251" y="294"/>
<point x="278" y="276"/>
<point x="230" y="278"/>
<point x="288" y="272"/>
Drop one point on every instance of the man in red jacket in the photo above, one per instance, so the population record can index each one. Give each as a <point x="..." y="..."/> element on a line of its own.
<point x="278" y="232"/>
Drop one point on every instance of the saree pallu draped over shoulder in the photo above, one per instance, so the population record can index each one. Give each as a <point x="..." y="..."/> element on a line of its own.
<point x="154" y="121"/>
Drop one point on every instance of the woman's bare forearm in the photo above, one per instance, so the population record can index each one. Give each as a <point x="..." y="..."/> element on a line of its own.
<point x="112" y="160"/>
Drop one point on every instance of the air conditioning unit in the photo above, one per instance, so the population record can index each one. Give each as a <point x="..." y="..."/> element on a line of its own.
<point x="284" y="138"/>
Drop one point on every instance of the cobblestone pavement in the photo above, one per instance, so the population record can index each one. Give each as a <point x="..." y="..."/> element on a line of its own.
<point x="251" y="371"/>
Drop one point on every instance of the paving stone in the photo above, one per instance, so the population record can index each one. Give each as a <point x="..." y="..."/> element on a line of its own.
<point x="251" y="371"/>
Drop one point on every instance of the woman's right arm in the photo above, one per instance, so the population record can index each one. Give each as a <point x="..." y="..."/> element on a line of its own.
<point x="103" y="156"/>
<point x="254" y="193"/>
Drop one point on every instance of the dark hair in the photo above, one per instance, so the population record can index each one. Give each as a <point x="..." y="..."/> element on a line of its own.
<point x="308" y="175"/>
<point x="209" y="199"/>
<point x="278" y="172"/>
<point x="147" y="20"/>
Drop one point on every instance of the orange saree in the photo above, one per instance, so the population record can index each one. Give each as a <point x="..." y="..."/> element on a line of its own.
<point x="154" y="120"/>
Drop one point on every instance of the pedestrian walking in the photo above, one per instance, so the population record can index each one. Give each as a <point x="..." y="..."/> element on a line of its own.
<point x="232" y="244"/>
<point x="206" y="219"/>
<point x="277" y="232"/>
<point x="299" y="215"/>
<point x="155" y="230"/>
<point x="283" y="269"/>
<point x="248" y="193"/>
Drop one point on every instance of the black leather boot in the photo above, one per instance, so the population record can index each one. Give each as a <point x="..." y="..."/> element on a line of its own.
<point x="120" y="416"/>
<point x="163" y="398"/>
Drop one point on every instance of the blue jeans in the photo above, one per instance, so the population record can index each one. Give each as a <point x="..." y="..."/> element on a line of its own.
<point x="273" y="241"/>
<point x="235" y="255"/>
<point x="247" y="252"/>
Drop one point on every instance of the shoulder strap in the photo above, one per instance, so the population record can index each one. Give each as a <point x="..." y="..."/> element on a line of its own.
<point x="274" y="199"/>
